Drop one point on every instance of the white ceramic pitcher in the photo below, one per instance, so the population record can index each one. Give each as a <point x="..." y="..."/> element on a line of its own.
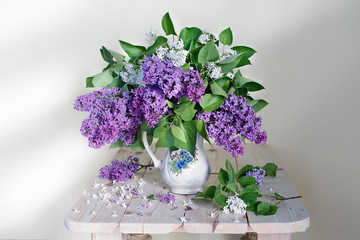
<point x="184" y="173"/>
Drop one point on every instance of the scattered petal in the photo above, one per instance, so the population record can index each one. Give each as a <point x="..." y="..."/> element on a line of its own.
<point x="182" y="219"/>
<point x="93" y="213"/>
<point x="114" y="214"/>
<point x="76" y="210"/>
<point x="212" y="215"/>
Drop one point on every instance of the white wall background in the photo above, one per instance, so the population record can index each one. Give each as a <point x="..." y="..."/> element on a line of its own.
<point x="308" y="60"/>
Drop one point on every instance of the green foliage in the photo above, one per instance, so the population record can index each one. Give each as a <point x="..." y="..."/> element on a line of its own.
<point x="242" y="172"/>
<point x="226" y="37"/>
<point x="223" y="177"/>
<point x="200" y="127"/>
<point x="165" y="137"/>
<point x="160" y="41"/>
<point x="188" y="129"/>
<point x="102" y="79"/>
<point x="186" y="110"/>
<point x="270" y="169"/>
<point x="249" y="191"/>
<point x="257" y="104"/>
<point x="211" y="102"/>
<point x="246" y="180"/>
<point x="217" y="90"/>
<point x="131" y="50"/>
<point x="189" y="36"/>
<point x="208" y="53"/>
<point x="167" y="25"/>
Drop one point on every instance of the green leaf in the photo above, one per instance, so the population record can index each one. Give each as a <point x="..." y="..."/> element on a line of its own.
<point x="170" y="104"/>
<point x="189" y="129"/>
<point x="247" y="53"/>
<point x="89" y="83"/>
<point x="246" y="180"/>
<point x="249" y="198"/>
<point x="164" y="136"/>
<point x="119" y="144"/>
<point x="185" y="110"/>
<point x="189" y="35"/>
<point x="230" y="171"/>
<point x="244" y="170"/>
<point x="211" y="102"/>
<point x="270" y="169"/>
<point x="217" y="90"/>
<point x="232" y="187"/>
<point x="217" y="190"/>
<point x="208" y="53"/>
<point x="252" y="188"/>
<point x="160" y="41"/>
<point x="272" y="210"/>
<point x="221" y="200"/>
<point x="279" y="197"/>
<point x="199" y="194"/>
<point x="114" y="83"/>
<point x="119" y="57"/>
<point x="228" y="64"/>
<point x="223" y="177"/>
<point x="167" y="25"/>
<point x="102" y="79"/>
<point x="223" y="82"/>
<point x="178" y="133"/>
<point x="132" y="50"/>
<point x="106" y="55"/>
<point x="262" y="207"/>
<point x="240" y="81"/>
<point x="226" y="37"/>
<point x="138" y="145"/>
<point x="209" y="192"/>
<point x="150" y="197"/>
<point x="257" y="104"/>
<point x="200" y="127"/>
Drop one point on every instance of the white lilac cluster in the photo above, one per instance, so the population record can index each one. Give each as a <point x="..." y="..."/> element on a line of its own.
<point x="227" y="53"/>
<point x="214" y="71"/>
<point x="150" y="38"/>
<point x="175" y="53"/>
<point x="206" y="37"/>
<point x="132" y="75"/>
<point x="236" y="205"/>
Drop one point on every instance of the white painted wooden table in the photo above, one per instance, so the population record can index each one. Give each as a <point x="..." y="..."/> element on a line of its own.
<point x="92" y="215"/>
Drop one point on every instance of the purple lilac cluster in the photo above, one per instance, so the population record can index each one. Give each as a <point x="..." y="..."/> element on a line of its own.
<point x="111" y="116"/>
<point x="165" y="198"/>
<point x="164" y="82"/>
<point x="232" y="120"/>
<point x="120" y="171"/>
<point x="258" y="174"/>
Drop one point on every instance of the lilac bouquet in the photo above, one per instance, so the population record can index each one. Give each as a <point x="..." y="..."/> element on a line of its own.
<point x="174" y="88"/>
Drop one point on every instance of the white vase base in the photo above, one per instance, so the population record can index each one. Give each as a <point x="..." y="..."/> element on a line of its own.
<point x="187" y="191"/>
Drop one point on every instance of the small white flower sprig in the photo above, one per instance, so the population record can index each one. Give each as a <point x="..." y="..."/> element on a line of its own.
<point x="238" y="199"/>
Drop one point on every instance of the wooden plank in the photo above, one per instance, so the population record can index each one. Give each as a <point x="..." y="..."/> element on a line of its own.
<point x="217" y="157"/>
<point x="91" y="213"/>
<point x="291" y="215"/>
<point x="158" y="218"/>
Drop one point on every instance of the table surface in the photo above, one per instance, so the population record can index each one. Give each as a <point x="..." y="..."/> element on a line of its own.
<point x="92" y="214"/>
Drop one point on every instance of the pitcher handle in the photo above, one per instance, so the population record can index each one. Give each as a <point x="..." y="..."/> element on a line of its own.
<point x="156" y="161"/>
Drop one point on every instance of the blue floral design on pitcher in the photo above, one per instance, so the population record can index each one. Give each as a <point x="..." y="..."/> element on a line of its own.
<point x="180" y="160"/>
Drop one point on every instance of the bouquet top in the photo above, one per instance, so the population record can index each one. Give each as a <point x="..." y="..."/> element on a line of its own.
<point x="176" y="87"/>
